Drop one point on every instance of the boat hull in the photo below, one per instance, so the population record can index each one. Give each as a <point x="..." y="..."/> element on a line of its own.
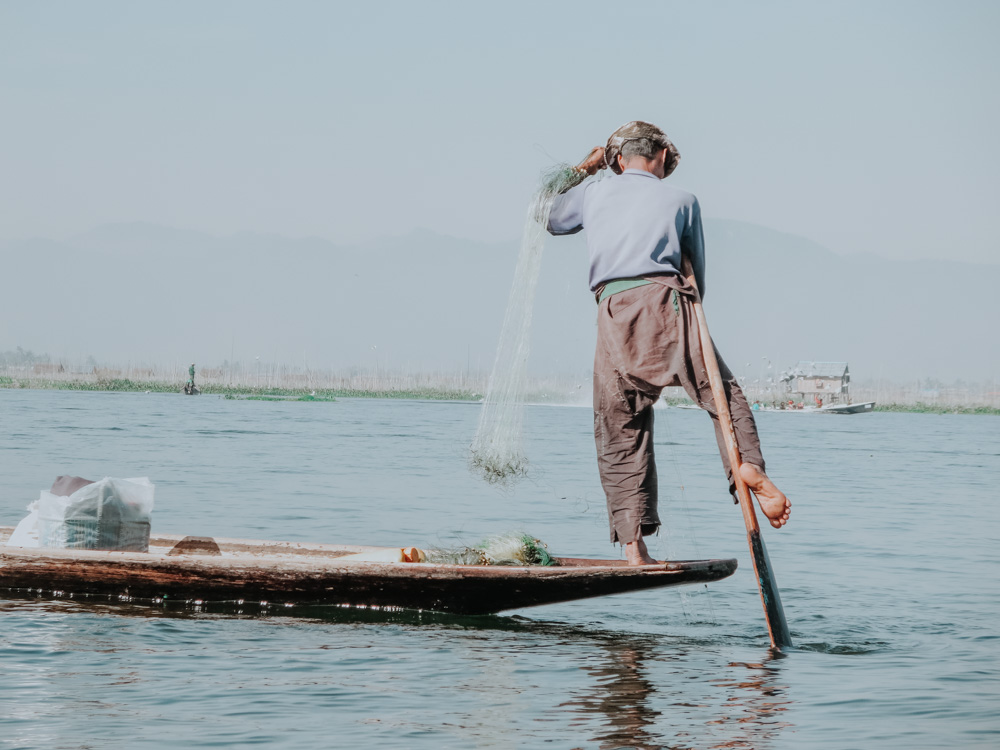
<point x="860" y="408"/>
<point x="253" y="572"/>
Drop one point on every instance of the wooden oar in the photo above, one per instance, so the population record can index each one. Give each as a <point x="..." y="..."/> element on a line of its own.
<point x="777" y="627"/>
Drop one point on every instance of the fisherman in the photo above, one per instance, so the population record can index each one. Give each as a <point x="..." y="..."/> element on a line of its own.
<point x="647" y="337"/>
<point x="190" y="383"/>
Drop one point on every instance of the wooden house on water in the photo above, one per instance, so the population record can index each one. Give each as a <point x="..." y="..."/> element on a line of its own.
<point x="829" y="381"/>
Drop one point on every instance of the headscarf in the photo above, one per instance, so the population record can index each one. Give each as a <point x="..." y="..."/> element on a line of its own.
<point x="633" y="131"/>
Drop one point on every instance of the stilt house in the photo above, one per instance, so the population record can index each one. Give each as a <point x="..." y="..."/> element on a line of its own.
<point x="827" y="380"/>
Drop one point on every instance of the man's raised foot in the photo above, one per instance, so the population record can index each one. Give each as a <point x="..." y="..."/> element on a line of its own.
<point x="772" y="501"/>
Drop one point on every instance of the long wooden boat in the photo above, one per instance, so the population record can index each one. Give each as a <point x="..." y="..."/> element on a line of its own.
<point x="239" y="571"/>
<point x="859" y="408"/>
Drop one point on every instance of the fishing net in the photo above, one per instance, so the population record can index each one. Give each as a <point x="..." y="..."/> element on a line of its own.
<point x="512" y="548"/>
<point x="497" y="453"/>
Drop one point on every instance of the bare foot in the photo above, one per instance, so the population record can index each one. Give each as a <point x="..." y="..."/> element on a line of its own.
<point x="772" y="501"/>
<point x="637" y="554"/>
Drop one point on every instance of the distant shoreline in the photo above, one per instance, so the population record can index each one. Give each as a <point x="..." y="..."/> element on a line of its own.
<point x="421" y="393"/>
<point x="125" y="385"/>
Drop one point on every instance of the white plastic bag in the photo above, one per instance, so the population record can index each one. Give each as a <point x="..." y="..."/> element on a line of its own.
<point x="26" y="532"/>
<point x="112" y="514"/>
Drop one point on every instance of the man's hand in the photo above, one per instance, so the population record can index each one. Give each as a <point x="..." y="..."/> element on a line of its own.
<point x="594" y="161"/>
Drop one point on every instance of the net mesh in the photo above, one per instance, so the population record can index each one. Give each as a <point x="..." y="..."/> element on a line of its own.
<point x="497" y="453"/>
<point x="512" y="548"/>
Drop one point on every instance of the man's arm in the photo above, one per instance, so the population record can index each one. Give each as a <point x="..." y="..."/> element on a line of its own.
<point x="693" y="245"/>
<point x="566" y="212"/>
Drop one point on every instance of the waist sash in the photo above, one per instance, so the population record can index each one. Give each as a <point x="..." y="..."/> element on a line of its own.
<point x="620" y="285"/>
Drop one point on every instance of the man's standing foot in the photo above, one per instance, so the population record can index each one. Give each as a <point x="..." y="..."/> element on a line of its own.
<point x="772" y="501"/>
<point x="637" y="554"/>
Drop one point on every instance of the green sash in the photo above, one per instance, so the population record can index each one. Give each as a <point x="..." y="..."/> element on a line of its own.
<point x="620" y="285"/>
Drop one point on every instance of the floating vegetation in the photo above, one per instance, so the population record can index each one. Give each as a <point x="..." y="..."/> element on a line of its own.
<point x="977" y="403"/>
<point x="308" y="397"/>
<point x="512" y="548"/>
<point x="497" y="453"/>
<point x="921" y="408"/>
<point x="125" y="385"/>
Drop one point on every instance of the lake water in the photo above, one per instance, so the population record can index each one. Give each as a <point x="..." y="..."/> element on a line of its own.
<point x="889" y="572"/>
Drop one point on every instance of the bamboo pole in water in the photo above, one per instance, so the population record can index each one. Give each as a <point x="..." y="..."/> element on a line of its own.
<point x="777" y="627"/>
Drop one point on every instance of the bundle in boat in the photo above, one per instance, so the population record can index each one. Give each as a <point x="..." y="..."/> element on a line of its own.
<point x="512" y="548"/>
<point x="110" y="514"/>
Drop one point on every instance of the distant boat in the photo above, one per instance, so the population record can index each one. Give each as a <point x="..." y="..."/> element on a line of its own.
<point x="848" y="408"/>
<point x="860" y="408"/>
<point x="822" y="381"/>
<point x="248" y="572"/>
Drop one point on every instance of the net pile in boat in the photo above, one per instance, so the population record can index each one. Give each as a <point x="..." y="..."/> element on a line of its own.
<point x="497" y="453"/>
<point x="512" y="548"/>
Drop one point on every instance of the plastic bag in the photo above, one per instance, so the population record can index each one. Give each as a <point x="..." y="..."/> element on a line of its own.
<point x="112" y="514"/>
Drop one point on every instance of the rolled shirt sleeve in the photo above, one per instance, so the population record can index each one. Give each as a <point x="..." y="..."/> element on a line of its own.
<point x="566" y="214"/>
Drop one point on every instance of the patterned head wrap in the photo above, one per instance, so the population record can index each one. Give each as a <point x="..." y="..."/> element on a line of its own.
<point x="633" y="131"/>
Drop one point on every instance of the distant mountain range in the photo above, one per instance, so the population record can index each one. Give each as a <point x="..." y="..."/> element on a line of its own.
<point x="145" y="293"/>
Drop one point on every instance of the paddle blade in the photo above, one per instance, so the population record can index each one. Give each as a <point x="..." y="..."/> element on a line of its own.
<point x="777" y="626"/>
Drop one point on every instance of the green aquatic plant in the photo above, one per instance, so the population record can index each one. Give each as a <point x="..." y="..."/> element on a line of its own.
<point x="126" y="385"/>
<point x="308" y="397"/>
<point x="922" y="408"/>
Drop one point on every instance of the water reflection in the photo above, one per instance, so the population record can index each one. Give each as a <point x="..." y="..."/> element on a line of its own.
<point x="758" y="703"/>
<point x="637" y="691"/>
<point x="622" y="692"/>
<point x="650" y="699"/>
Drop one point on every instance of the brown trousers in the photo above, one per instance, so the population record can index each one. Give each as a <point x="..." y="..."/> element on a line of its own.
<point x="647" y="340"/>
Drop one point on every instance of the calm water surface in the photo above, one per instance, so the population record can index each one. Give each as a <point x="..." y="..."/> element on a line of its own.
<point x="889" y="573"/>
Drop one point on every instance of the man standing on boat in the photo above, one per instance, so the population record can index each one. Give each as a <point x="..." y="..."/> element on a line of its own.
<point x="647" y="336"/>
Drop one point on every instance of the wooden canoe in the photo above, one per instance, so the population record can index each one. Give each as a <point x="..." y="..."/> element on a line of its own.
<point x="262" y="572"/>
<point x="861" y="408"/>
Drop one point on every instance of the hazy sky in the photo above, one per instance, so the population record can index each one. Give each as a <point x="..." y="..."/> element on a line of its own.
<point x="866" y="126"/>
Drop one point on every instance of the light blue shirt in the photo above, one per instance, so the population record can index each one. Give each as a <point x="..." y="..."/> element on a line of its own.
<point x="637" y="225"/>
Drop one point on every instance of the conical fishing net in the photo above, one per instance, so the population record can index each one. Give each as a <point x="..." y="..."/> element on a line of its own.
<point x="497" y="450"/>
<point x="512" y="548"/>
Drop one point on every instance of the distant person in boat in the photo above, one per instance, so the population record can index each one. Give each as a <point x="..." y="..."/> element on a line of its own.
<point x="637" y="228"/>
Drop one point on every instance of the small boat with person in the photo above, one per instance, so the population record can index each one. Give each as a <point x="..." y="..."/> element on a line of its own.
<point x="247" y="572"/>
